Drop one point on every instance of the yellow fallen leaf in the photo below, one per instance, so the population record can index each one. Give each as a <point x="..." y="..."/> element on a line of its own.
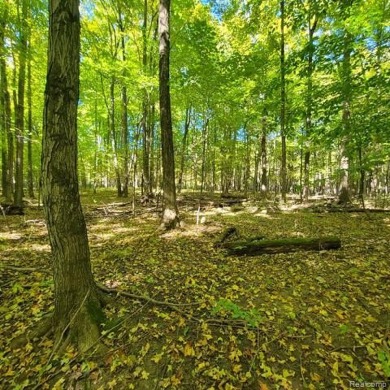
<point x="237" y="368"/>
<point x="175" y="381"/>
<point x="157" y="357"/>
<point x="188" y="350"/>
<point x="315" y="377"/>
<point x="144" y="374"/>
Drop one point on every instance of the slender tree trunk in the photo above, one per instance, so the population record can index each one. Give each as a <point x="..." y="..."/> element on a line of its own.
<point x="146" y="137"/>
<point x="19" y="109"/>
<point x="5" y="116"/>
<point x="151" y="130"/>
<point x="114" y="140"/>
<point x="204" y="147"/>
<point x="125" y="138"/>
<point x="283" y="170"/>
<point x="213" y="163"/>
<point x="309" y="107"/>
<point x="30" y="176"/>
<point x="170" y="212"/>
<point x="264" y="162"/>
<point x="344" y="191"/>
<point x="77" y="312"/>
<point x="247" y="168"/>
<point x="184" y="147"/>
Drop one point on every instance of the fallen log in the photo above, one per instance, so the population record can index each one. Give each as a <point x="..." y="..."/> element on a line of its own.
<point x="355" y="210"/>
<point x="260" y="247"/>
<point x="229" y="233"/>
<point x="10" y="209"/>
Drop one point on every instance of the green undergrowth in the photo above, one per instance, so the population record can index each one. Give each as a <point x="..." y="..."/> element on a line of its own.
<point x="303" y="320"/>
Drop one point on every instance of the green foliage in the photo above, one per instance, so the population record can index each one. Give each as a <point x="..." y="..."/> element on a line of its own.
<point x="234" y="320"/>
<point x="384" y="358"/>
<point x="229" y="308"/>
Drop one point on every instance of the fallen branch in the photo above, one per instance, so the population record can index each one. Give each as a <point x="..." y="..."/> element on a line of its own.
<point x="226" y="235"/>
<point x="259" y="247"/>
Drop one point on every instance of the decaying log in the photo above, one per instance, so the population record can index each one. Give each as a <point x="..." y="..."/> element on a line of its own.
<point x="10" y="209"/>
<point x="252" y="247"/>
<point x="227" y="234"/>
<point x="355" y="210"/>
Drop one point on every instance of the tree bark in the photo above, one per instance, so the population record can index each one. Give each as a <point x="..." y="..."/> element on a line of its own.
<point x="309" y="106"/>
<point x="264" y="162"/>
<point x="146" y="128"/>
<point x="283" y="170"/>
<point x="114" y="140"/>
<point x="204" y="147"/>
<point x="5" y="116"/>
<point x="184" y="146"/>
<point x="261" y="247"/>
<point x="124" y="122"/>
<point x="170" y="212"/>
<point x="30" y="176"/>
<point x="19" y="108"/>
<point x="77" y="312"/>
<point x="346" y="85"/>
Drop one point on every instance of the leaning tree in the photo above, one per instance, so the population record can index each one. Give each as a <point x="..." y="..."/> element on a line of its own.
<point x="78" y="311"/>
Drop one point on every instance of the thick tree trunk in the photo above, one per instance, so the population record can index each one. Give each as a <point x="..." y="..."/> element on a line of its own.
<point x="261" y="247"/>
<point x="77" y="312"/>
<point x="170" y="212"/>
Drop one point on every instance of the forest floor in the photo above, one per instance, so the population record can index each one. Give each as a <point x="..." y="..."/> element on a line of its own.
<point x="302" y="320"/>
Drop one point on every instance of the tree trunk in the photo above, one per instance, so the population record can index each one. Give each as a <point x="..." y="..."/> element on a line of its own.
<point x="77" y="312"/>
<point x="114" y="141"/>
<point x="184" y="147"/>
<point x="283" y="170"/>
<point x="264" y="163"/>
<point x="260" y="247"/>
<point x="30" y="176"/>
<point x="5" y="116"/>
<point x="146" y="128"/>
<point x="19" y="108"/>
<point x="346" y="82"/>
<point x="170" y="212"/>
<point x="124" y="122"/>
<point x="204" y="147"/>
<point x="309" y="107"/>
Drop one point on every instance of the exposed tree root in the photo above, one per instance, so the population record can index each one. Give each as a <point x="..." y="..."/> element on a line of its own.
<point x="176" y="307"/>
<point x="43" y="329"/>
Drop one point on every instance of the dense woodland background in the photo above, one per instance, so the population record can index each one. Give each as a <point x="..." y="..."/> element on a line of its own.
<point x="266" y="96"/>
<point x="276" y="105"/>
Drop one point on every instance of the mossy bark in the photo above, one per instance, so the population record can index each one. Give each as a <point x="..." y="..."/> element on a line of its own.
<point x="260" y="247"/>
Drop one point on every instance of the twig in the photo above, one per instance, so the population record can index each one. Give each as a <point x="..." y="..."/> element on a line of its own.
<point x="173" y="306"/>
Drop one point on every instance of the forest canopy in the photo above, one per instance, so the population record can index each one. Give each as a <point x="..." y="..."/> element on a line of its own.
<point x="267" y="96"/>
